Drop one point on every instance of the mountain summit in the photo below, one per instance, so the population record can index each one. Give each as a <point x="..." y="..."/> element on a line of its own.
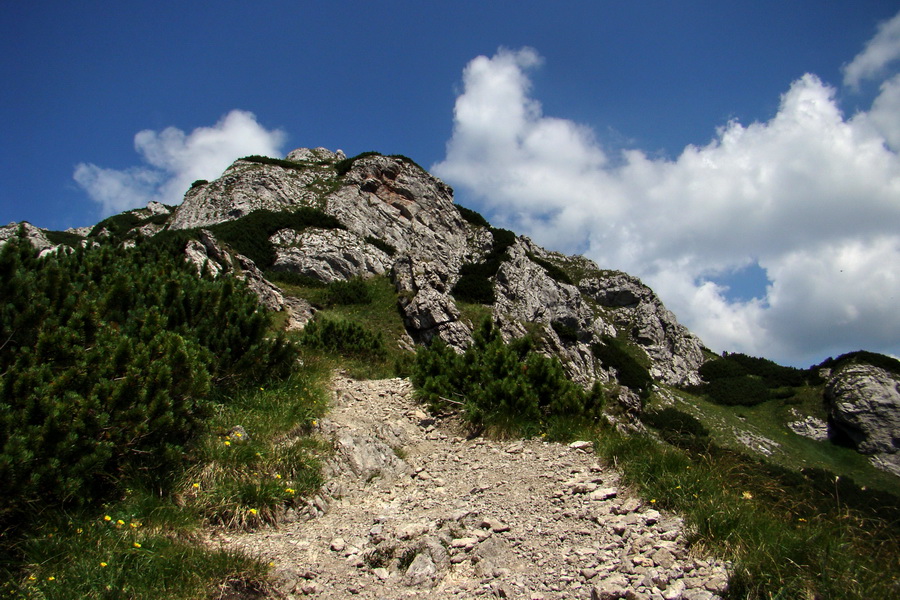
<point x="318" y="217"/>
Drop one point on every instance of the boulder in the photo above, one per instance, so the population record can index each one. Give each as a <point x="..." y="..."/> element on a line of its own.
<point x="863" y="404"/>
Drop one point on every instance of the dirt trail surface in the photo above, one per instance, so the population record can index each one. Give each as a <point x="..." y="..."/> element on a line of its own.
<point x="413" y="510"/>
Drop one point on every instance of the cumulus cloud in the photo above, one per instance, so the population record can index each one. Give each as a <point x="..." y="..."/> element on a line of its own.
<point x="173" y="160"/>
<point x="811" y="197"/>
<point x="879" y="52"/>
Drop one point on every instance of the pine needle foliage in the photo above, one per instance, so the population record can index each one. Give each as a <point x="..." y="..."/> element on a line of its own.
<point x="505" y="388"/>
<point x="107" y="357"/>
<point x="474" y="285"/>
<point x="250" y="235"/>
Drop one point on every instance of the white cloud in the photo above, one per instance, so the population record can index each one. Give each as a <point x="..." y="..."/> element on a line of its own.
<point x="812" y="197"/>
<point x="879" y="52"/>
<point x="173" y="160"/>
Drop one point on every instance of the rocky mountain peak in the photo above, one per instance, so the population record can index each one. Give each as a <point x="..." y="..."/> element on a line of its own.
<point x="386" y="216"/>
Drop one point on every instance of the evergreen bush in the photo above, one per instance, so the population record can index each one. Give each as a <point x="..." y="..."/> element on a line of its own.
<point x="345" y="338"/>
<point x="472" y="217"/>
<point x="107" y="357"/>
<point x="474" y="284"/>
<point x="508" y="388"/>
<point x="613" y="353"/>
<point x="345" y="293"/>
<point x="556" y="273"/>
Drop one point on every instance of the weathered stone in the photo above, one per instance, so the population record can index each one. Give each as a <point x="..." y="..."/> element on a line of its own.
<point x="864" y="407"/>
<point x="422" y="571"/>
<point x="810" y="427"/>
<point x="613" y="587"/>
<point x="327" y="254"/>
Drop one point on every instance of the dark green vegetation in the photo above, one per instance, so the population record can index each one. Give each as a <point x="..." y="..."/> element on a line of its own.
<point x="249" y="235"/>
<point x="613" y="352"/>
<point x="738" y="379"/>
<point x="807" y="534"/>
<point x="507" y="389"/>
<point x="474" y="285"/>
<point x="276" y="162"/>
<point x="554" y="271"/>
<point x="357" y="324"/>
<point x="123" y="374"/>
<point x="342" y="167"/>
<point x="472" y="216"/>
<point x="889" y="364"/>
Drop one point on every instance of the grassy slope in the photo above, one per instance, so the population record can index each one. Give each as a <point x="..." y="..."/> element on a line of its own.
<point x="793" y="451"/>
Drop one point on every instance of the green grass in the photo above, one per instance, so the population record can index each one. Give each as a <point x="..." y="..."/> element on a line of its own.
<point x="380" y="314"/>
<point x="144" y="545"/>
<point x="86" y="557"/>
<point x="473" y="314"/>
<point x="793" y="451"/>
<point x="779" y="547"/>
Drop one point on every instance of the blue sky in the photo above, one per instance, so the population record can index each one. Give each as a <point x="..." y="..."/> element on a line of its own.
<point x="613" y="92"/>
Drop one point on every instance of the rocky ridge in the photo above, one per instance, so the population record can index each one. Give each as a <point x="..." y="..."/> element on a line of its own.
<point x="412" y="509"/>
<point x="399" y="221"/>
<point x="389" y="203"/>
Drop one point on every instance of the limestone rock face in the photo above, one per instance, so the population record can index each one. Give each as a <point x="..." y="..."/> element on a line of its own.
<point x="389" y="203"/>
<point x="400" y="222"/>
<point x="327" y="254"/>
<point x="428" y="309"/>
<point x="675" y="352"/>
<point x="864" y="404"/>
<point x="394" y="201"/>
<point x="35" y="236"/>
<point x="526" y="293"/>
<point x="209" y="253"/>
<point x="247" y="186"/>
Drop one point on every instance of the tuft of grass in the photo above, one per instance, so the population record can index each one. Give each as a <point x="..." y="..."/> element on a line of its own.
<point x="247" y="477"/>
<point x="782" y="544"/>
<point x="380" y="316"/>
<point x="116" y="554"/>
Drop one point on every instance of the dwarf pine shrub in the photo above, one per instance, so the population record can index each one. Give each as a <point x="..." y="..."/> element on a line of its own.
<point x="108" y="356"/>
<point x="345" y="338"/>
<point x="508" y="388"/>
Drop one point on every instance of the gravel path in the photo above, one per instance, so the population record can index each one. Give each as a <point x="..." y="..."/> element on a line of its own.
<point x="413" y="510"/>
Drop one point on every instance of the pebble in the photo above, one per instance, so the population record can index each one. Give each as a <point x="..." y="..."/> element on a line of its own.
<point x="525" y="519"/>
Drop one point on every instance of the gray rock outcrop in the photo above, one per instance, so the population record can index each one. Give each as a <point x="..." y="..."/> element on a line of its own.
<point x="208" y="253"/>
<point x="35" y="236"/>
<point x="675" y="352"/>
<point x="398" y="221"/>
<point x="864" y="406"/>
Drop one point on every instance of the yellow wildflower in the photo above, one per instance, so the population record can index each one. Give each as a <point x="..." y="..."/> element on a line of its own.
<point x="653" y="501"/>
<point x="290" y="490"/>
<point x="137" y="544"/>
<point x="107" y="518"/>
<point x="277" y="476"/>
<point x="32" y="578"/>
<point x="253" y="511"/>
<point x="51" y="578"/>
<point x="79" y="530"/>
<point x="103" y="564"/>
<point x="120" y="522"/>
<point x="227" y="443"/>
<point x="747" y="496"/>
<point x="134" y="525"/>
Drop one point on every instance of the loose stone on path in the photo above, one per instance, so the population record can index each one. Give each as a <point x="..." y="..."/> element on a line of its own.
<point x="469" y="518"/>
